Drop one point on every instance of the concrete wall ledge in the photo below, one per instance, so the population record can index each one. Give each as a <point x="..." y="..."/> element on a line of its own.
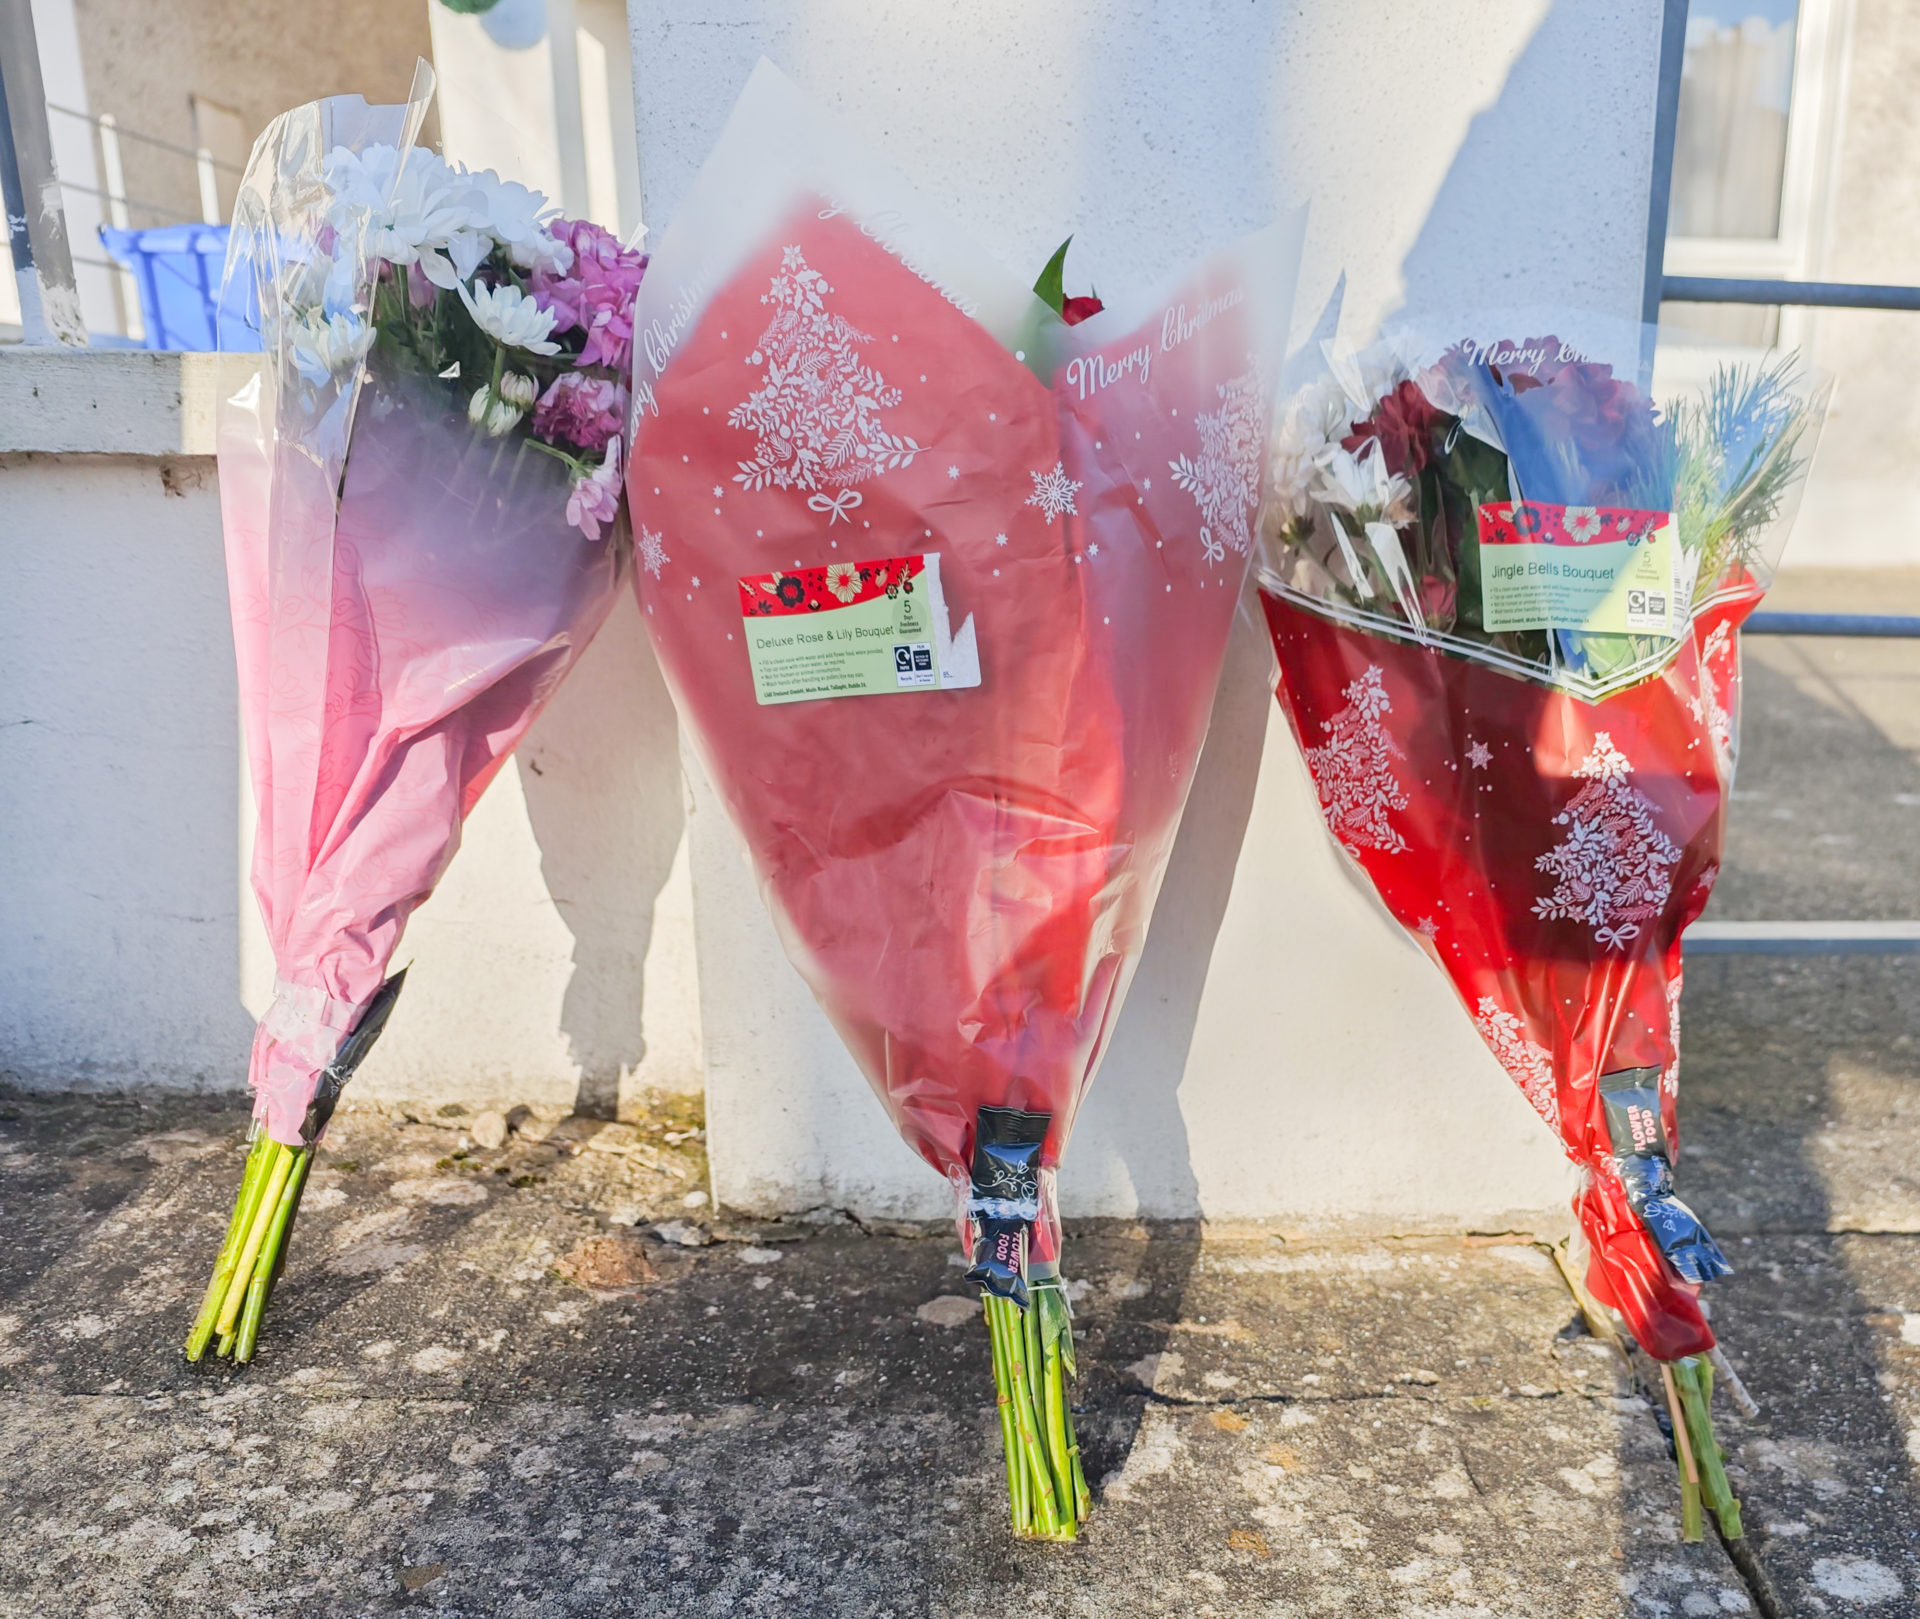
<point x="113" y="401"/>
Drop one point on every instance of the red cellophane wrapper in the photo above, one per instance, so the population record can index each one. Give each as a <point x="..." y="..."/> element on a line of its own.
<point x="1543" y="809"/>
<point x="836" y="393"/>
<point x="1393" y="732"/>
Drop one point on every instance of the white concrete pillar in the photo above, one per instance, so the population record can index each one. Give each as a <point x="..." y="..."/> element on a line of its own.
<point x="1285" y="1052"/>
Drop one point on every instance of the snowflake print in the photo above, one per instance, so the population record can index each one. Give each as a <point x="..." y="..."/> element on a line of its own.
<point x="953" y="472"/>
<point x="1614" y="866"/>
<point x="1353" y="770"/>
<point x="1225" y="478"/>
<point x="817" y="415"/>
<point x="1428" y="928"/>
<point x="1530" y="1065"/>
<point x="999" y="539"/>
<point x="1479" y="755"/>
<point x="718" y="491"/>
<point x="653" y="551"/>
<point x="1053" y="493"/>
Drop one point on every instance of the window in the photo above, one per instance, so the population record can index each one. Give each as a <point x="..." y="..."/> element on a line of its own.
<point x="1730" y="148"/>
<point x="1751" y="147"/>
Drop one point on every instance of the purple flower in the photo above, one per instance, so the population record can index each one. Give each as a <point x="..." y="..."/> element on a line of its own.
<point x="580" y="410"/>
<point x="596" y="497"/>
<point x="596" y="295"/>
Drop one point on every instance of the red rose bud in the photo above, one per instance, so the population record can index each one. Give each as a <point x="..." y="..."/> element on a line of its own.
<point x="1075" y="310"/>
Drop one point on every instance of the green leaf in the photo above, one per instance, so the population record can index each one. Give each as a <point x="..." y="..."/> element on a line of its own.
<point x="1051" y="288"/>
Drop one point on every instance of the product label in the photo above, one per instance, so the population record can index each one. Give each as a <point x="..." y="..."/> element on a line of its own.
<point x="1604" y="569"/>
<point x="853" y="629"/>
<point x="1632" y="1100"/>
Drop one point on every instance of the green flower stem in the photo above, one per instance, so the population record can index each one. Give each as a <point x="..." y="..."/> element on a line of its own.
<point x="1082" y="1496"/>
<point x="269" y="1261"/>
<point x="1054" y="1329"/>
<point x="1020" y="1483"/>
<point x="1693" y="1377"/>
<point x="229" y="1249"/>
<point x="1046" y="1505"/>
<point x="1059" y="1448"/>
<point x="1017" y="1503"/>
<point x="279" y="1166"/>
<point x="1692" y="1529"/>
<point x="577" y="467"/>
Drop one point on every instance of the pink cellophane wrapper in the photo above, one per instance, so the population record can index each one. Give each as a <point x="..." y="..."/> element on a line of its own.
<point x="964" y="877"/>
<point x="406" y="596"/>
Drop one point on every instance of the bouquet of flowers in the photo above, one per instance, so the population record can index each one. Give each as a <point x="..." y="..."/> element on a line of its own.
<point x="870" y="465"/>
<point x="1505" y="587"/>
<point x="423" y="511"/>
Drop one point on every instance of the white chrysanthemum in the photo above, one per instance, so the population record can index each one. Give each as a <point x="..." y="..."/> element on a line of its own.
<point x="321" y="282"/>
<point x="516" y="217"/>
<point x="509" y="316"/>
<point x="492" y="414"/>
<point x="1307" y="423"/>
<point x="1360" y="483"/>
<point x="324" y="345"/>
<point x="425" y="214"/>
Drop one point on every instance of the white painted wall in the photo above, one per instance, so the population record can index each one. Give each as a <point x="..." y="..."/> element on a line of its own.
<point x="1285" y="1053"/>
<point x="554" y="966"/>
<point x="539" y="91"/>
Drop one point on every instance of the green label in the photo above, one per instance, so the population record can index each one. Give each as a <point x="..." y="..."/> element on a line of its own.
<point x="1604" y="570"/>
<point x="852" y="629"/>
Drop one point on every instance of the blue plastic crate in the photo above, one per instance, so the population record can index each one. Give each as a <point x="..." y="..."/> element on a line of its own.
<point x="178" y="269"/>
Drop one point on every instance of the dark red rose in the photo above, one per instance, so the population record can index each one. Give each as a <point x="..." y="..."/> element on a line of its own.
<point x="1075" y="310"/>
<point x="1404" y="422"/>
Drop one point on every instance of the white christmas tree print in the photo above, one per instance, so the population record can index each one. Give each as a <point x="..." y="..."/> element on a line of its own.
<point x="1225" y="479"/>
<point x="1530" y="1066"/>
<point x="653" y="551"/>
<point x="1615" y="867"/>
<point x="1353" y="770"/>
<point x="817" y="413"/>
<point x="1053" y="492"/>
<point x="1706" y="706"/>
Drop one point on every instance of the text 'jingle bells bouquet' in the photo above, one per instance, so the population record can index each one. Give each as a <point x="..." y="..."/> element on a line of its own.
<point x="423" y="508"/>
<point x="1505" y="572"/>
<point x="942" y="590"/>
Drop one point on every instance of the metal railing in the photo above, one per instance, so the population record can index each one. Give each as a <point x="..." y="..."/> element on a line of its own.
<point x="1765" y="938"/>
<point x="207" y="169"/>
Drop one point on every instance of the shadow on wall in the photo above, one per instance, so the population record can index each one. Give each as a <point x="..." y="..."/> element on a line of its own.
<point x="1130" y="1152"/>
<point x="1527" y="213"/>
<point x="601" y="776"/>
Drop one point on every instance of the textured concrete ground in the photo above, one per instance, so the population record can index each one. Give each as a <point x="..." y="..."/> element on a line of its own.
<point x="537" y="1380"/>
